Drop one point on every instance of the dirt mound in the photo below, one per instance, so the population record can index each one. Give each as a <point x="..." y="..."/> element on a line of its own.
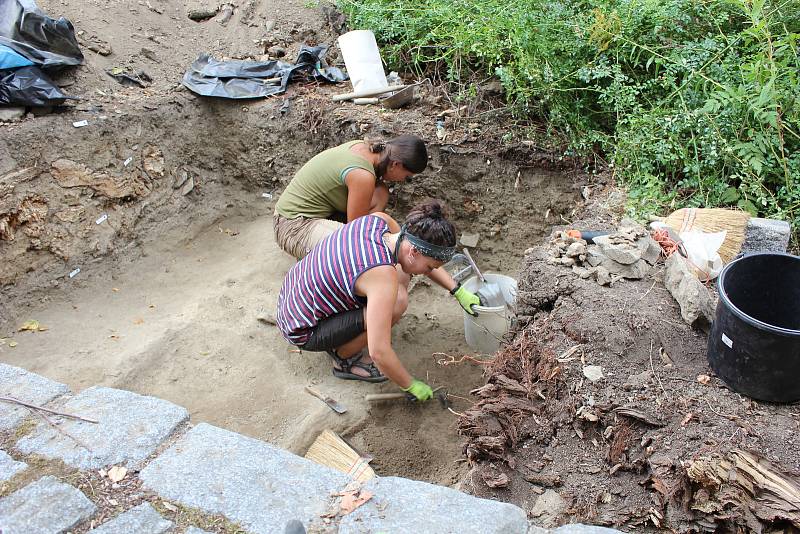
<point x="651" y="440"/>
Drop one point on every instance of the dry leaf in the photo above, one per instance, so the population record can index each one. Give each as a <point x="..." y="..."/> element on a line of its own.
<point x="352" y="500"/>
<point x="117" y="473"/>
<point x="687" y="418"/>
<point x="31" y="326"/>
<point x="703" y="379"/>
<point x="103" y="472"/>
<point x="114" y="289"/>
<point x="113" y="502"/>
<point x="169" y="506"/>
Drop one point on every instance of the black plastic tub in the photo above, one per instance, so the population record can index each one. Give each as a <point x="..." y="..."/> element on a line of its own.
<point x="754" y="345"/>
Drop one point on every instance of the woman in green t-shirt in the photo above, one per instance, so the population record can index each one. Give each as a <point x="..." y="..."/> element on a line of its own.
<point x="342" y="184"/>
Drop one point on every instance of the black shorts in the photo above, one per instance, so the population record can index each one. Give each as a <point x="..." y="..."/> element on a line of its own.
<point x="335" y="331"/>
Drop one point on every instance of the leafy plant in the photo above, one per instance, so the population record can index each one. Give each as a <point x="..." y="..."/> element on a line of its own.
<point x="693" y="102"/>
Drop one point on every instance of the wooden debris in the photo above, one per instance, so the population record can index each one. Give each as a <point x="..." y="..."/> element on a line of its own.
<point x="495" y="479"/>
<point x="639" y="415"/>
<point x="745" y="488"/>
<point x="548" y="481"/>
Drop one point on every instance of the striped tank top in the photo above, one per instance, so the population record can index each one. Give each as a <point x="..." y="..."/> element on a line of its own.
<point x="323" y="283"/>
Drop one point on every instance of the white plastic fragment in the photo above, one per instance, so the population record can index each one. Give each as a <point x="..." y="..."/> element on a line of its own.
<point x="127" y="161"/>
<point x="268" y="196"/>
<point x="79" y="124"/>
<point x="74" y="272"/>
<point x="101" y="219"/>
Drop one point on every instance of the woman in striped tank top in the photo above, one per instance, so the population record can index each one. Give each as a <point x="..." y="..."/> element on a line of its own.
<point x="343" y="296"/>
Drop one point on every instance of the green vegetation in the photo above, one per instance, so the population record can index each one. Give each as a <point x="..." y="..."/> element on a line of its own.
<point x="692" y="102"/>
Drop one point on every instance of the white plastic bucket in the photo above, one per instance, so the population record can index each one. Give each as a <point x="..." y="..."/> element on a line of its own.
<point x="363" y="60"/>
<point x="485" y="332"/>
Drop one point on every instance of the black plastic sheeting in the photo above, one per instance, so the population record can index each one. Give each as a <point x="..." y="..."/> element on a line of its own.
<point x="29" y="86"/>
<point x="245" y="79"/>
<point x="49" y="43"/>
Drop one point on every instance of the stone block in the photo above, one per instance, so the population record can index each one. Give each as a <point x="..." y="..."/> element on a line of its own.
<point x="470" y="240"/>
<point x="623" y="253"/>
<point x="651" y="250"/>
<point x="695" y="300"/>
<point x="11" y="114"/>
<point x="195" y="530"/>
<point x="248" y="481"/>
<point x="10" y="467"/>
<point x="766" y="235"/>
<point x="29" y="387"/>
<point x="633" y="271"/>
<point x="398" y="503"/>
<point x="130" y="428"/>
<point x="46" y="506"/>
<point x="142" y="519"/>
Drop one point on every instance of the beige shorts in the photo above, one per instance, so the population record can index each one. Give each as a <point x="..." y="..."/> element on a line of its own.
<point x="299" y="235"/>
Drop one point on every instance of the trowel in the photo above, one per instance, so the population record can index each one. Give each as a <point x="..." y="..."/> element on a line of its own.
<point x="490" y="294"/>
<point x="332" y="404"/>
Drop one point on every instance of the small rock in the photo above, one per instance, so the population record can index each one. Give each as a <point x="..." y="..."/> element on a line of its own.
<point x="188" y="187"/>
<point x="633" y="271"/>
<point x="638" y="381"/>
<point x="11" y="114"/>
<point x="576" y="249"/>
<point x="582" y="272"/>
<point x="269" y="25"/>
<point x="569" y="262"/>
<point x="469" y="240"/>
<point x="202" y="13"/>
<point x="593" y="372"/>
<point x="603" y="276"/>
<point x="276" y="51"/>
<point x="651" y="250"/>
<point x="549" y="507"/>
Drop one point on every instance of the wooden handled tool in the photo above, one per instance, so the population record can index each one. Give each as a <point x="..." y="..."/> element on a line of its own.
<point x="376" y="397"/>
<point x="370" y="92"/>
<point x="332" y="404"/>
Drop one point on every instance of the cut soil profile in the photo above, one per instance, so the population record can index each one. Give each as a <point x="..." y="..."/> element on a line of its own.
<point x="164" y="202"/>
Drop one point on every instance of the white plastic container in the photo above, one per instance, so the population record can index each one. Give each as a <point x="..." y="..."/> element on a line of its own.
<point x="363" y="60"/>
<point x="484" y="332"/>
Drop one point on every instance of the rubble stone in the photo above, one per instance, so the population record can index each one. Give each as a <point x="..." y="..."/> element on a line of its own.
<point x="695" y="300"/>
<point x="593" y="255"/>
<point x="651" y="250"/>
<point x="576" y="249"/>
<point x="634" y="271"/>
<point x="549" y="506"/>
<point x="47" y="505"/>
<point x="603" y="276"/>
<point x="623" y="253"/>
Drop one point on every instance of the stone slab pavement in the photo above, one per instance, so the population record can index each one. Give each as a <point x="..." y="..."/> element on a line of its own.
<point x="142" y="519"/>
<point x="9" y="467"/>
<point x="248" y="481"/>
<point x="28" y="387"/>
<point x="402" y="505"/>
<point x="130" y="428"/>
<point x="43" y="507"/>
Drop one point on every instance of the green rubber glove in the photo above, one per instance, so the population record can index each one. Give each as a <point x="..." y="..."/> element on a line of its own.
<point x="420" y="390"/>
<point x="467" y="300"/>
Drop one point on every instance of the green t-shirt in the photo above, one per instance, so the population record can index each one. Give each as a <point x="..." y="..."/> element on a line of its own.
<point x="317" y="190"/>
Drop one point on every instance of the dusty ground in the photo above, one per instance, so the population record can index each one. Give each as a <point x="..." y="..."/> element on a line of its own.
<point x="172" y="281"/>
<point x="182" y="261"/>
